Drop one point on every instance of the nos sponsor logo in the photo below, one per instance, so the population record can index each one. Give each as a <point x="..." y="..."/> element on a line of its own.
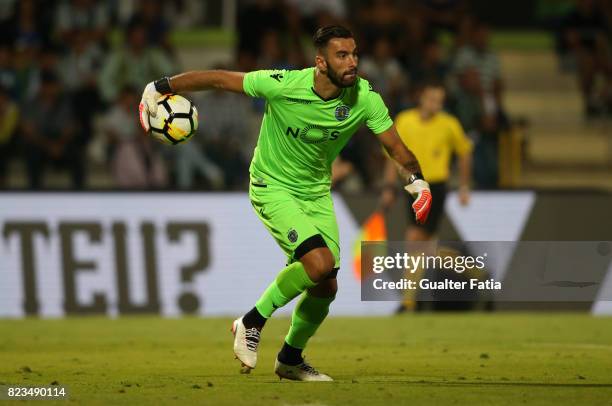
<point x="312" y="134"/>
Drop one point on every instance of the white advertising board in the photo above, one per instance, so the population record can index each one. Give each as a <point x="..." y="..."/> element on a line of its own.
<point x="126" y="253"/>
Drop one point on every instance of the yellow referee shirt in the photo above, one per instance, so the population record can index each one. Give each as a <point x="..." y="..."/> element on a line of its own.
<point x="433" y="142"/>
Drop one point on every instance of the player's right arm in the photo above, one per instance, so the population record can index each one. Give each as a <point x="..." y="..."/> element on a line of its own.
<point x="187" y="82"/>
<point x="206" y="80"/>
<point x="261" y="83"/>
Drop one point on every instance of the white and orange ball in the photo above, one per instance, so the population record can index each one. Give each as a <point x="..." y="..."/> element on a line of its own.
<point x="176" y="119"/>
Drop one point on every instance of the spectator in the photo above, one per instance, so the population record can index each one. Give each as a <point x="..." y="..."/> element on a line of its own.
<point x="79" y="70"/>
<point x="191" y="163"/>
<point x="29" y="23"/>
<point x="185" y="13"/>
<point x="319" y="13"/>
<point x="150" y="15"/>
<point x="80" y="65"/>
<point x="225" y="134"/>
<point x="477" y="55"/>
<point x="132" y="64"/>
<point x="134" y="162"/>
<point x="273" y="54"/>
<point x="444" y="14"/>
<point x="463" y="36"/>
<point x="9" y="117"/>
<point x="466" y="101"/>
<point x="384" y="72"/>
<point x="48" y="59"/>
<point x="26" y="71"/>
<point x="430" y="65"/>
<point x="30" y="61"/>
<point x="50" y="131"/>
<point x="414" y="35"/>
<point x="8" y="76"/>
<point x="253" y="20"/>
<point x="380" y="18"/>
<point x="6" y="10"/>
<point x="483" y="124"/>
<point x="483" y="95"/>
<point x="91" y="17"/>
<point x="585" y="38"/>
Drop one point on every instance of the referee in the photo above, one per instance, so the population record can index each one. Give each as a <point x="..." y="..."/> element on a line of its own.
<point x="434" y="136"/>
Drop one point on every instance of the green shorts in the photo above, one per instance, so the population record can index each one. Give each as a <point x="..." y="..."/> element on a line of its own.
<point x="292" y="220"/>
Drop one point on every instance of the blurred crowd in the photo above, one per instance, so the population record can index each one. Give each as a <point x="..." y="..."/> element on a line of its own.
<point x="403" y="44"/>
<point x="583" y="42"/>
<point x="73" y="70"/>
<point x="59" y="72"/>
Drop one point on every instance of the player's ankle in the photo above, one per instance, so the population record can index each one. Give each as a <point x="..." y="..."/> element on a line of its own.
<point x="254" y="319"/>
<point x="289" y="355"/>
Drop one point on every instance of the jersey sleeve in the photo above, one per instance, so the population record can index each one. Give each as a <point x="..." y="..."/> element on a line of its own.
<point x="461" y="143"/>
<point x="264" y="83"/>
<point x="378" y="119"/>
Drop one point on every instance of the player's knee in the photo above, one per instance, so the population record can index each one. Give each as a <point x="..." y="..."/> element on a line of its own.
<point x="324" y="264"/>
<point x="331" y="287"/>
<point x="316" y="257"/>
<point x="319" y="263"/>
<point x="326" y="288"/>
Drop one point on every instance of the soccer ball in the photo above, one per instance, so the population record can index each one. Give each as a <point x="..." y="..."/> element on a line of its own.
<point x="176" y="120"/>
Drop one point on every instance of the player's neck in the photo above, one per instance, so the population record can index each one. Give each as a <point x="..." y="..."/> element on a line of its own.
<point x="324" y="87"/>
<point x="425" y="115"/>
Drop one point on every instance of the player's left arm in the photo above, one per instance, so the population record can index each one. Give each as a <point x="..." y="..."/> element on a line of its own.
<point x="379" y="122"/>
<point x="409" y="168"/>
<point x="463" y="147"/>
<point x="464" y="163"/>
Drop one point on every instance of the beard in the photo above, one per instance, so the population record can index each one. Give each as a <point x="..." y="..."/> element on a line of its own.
<point x="339" y="79"/>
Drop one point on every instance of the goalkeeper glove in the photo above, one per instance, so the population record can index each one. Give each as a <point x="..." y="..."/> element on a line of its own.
<point x="148" y="103"/>
<point x="419" y="189"/>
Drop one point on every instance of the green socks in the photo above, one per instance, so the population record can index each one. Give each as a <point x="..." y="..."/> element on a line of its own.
<point x="289" y="283"/>
<point x="310" y="311"/>
<point x="307" y="317"/>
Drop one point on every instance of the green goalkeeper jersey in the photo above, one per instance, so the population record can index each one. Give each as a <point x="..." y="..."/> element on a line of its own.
<point x="301" y="133"/>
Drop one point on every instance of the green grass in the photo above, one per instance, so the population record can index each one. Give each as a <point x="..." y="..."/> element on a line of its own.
<point x="422" y="359"/>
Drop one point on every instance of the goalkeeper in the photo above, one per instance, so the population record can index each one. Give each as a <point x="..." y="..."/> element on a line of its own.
<point x="310" y="115"/>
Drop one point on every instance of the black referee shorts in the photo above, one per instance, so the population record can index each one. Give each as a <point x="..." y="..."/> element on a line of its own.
<point x="438" y="196"/>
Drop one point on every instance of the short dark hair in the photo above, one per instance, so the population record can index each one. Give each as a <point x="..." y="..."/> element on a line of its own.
<point x="431" y="83"/>
<point x="324" y="34"/>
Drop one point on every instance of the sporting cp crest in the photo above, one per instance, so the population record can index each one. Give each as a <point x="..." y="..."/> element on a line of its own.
<point x="342" y="112"/>
<point x="292" y="235"/>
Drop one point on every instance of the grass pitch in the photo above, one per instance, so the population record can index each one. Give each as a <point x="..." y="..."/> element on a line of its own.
<point x="417" y="359"/>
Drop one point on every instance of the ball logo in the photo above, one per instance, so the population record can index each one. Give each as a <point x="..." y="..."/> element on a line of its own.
<point x="342" y="112"/>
